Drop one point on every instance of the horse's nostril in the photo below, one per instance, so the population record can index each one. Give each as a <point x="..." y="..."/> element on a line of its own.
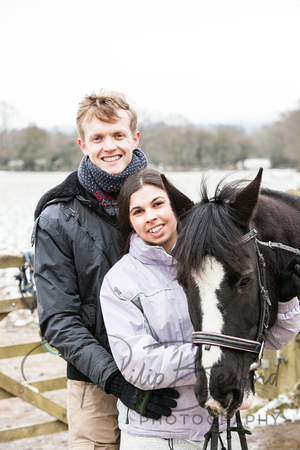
<point x="227" y="395"/>
<point x="228" y="399"/>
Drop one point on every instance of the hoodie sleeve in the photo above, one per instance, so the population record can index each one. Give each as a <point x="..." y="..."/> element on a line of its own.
<point x="287" y="325"/>
<point x="142" y="360"/>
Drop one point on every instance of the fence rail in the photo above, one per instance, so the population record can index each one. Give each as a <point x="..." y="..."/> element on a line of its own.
<point x="28" y="392"/>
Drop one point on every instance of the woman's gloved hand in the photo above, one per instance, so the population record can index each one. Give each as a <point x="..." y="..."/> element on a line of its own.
<point x="152" y="404"/>
<point x="289" y="280"/>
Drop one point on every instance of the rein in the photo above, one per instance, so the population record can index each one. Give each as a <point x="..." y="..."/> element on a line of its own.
<point x="247" y="345"/>
<point x="214" y="435"/>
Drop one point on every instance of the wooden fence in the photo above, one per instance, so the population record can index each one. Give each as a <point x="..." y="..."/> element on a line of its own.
<point x="280" y="370"/>
<point x="28" y="392"/>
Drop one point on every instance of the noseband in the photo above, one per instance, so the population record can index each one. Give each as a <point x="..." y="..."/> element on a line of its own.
<point x="247" y="345"/>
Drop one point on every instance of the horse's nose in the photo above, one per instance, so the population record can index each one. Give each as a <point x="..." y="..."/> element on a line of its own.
<point x="220" y="407"/>
<point x="225" y="396"/>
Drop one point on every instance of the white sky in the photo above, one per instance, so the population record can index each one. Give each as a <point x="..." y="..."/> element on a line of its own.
<point x="210" y="61"/>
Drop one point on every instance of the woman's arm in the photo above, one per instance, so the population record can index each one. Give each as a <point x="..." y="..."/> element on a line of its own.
<point x="287" y="325"/>
<point x="142" y="360"/>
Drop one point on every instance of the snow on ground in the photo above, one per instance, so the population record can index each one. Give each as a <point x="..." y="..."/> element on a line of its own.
<point x="285" y="407"/>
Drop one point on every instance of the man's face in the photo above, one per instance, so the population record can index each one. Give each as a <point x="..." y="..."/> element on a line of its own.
<point x="109" y="145"/>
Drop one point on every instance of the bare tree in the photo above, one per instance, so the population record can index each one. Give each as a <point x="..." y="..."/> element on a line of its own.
<point x="6" y="113"/>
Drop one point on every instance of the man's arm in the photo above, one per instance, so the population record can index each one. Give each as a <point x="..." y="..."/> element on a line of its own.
<point x="59" y="307"/>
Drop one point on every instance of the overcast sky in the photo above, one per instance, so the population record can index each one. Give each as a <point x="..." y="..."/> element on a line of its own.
<point x="209" y="61"/>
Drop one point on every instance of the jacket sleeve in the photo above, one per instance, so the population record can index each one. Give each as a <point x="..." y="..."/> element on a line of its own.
<point x="60" y="307"/>
<point x="143" y="361"/>
<point x="287" y="325"/>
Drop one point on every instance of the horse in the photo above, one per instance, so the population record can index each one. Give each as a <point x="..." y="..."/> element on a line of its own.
<point x="228" y="270"/>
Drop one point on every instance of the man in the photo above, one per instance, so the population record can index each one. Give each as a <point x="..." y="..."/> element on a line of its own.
<point x="76" y="243"/>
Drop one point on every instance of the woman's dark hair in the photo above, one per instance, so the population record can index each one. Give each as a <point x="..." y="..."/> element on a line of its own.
<point x="133" y="184"/>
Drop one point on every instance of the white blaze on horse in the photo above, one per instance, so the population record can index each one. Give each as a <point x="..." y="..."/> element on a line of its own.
<point x="229" y="274"/>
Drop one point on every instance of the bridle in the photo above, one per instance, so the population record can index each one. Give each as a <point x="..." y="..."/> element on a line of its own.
<point x="253" y="346"/>
<point x="247" y="345"/>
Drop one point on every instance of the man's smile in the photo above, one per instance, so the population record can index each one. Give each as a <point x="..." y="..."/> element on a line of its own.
<point x="111" y="158"/>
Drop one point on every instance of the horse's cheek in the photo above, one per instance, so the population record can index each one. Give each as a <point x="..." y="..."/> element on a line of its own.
<point x="200" y="388"/>
<point x="194" y="307"/>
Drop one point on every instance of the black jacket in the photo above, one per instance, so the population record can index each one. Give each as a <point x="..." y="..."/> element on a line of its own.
<point x="76" y="243"/>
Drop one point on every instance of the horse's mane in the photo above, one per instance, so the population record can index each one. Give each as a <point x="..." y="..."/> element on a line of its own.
<point x="277" y="218"/>
<point x="210" y="228"/>
<point x="285" y="197"/>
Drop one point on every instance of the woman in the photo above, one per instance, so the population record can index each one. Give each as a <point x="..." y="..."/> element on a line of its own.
<point x="147" y="319"/>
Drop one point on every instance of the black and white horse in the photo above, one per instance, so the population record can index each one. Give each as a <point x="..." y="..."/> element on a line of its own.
<point x="229" y="274"/>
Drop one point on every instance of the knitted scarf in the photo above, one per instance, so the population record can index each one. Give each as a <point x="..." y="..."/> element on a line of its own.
<point x="102" y="185"/>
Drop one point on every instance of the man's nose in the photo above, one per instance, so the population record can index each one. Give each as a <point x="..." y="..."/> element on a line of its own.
<point x="109" y="144"/>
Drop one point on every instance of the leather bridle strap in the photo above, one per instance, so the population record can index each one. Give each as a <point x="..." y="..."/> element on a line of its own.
<point x="253" y="234"/>
<point x="265" y="301"/>
<point x="273" y="245"/>
<point x="223" y="340"/>
<point x="213" y="435"/>
<point x="241" y="431"/>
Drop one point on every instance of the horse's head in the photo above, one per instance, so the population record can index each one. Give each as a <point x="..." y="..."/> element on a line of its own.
<point x="220" y="276"/>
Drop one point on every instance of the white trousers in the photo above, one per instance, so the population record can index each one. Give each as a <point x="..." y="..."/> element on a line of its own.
<point x="132" y="442"/>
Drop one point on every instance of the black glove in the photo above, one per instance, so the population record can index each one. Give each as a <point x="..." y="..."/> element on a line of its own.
<point x="152" y="404"/>
<point x="289" y="280"/>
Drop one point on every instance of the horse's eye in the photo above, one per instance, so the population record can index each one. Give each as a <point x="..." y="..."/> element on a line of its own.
<point x="245" y="281"/>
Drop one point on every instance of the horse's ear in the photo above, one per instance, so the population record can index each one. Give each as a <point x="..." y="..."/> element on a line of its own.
<point x="180" y="202"/>
<point x="246" y="200"/>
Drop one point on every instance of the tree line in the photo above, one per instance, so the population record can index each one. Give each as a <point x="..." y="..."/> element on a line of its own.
<point x="180" y="147"/>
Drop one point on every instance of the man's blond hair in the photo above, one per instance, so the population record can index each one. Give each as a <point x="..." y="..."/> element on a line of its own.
<point x="105" y="106"/>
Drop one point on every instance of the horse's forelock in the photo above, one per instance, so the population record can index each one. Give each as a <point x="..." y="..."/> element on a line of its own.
<point x="209" y="228"/>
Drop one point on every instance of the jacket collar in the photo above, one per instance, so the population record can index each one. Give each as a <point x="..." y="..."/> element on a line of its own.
<point x="69" y="188"/>
<point x="149" y="254"/>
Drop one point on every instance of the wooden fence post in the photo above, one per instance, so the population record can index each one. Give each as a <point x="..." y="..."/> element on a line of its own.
<point x="28" y="392"/>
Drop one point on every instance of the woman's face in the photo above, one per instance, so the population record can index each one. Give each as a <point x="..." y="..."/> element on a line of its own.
<point x="152" y="217"/>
